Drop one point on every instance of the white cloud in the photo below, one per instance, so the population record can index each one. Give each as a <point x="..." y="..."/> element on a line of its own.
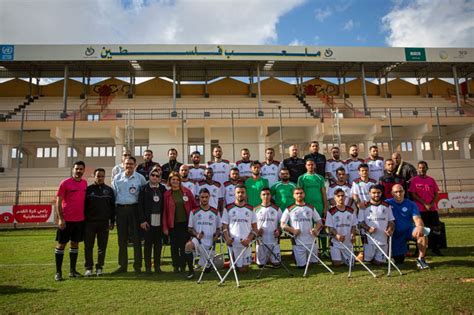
<point x="296" y="42"/>
<point x="431" y="23"/>
<point x="349" y="25"/>
<point x="321" y="14"/>
<point x="141" y="21"/>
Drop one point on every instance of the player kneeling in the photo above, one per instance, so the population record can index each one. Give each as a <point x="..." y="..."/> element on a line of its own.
<point x="239" y="225"/>
<point x="268" y="219"/>
<point x="341" y="222"/>
<point x="378" y="222"/>
<point x="204" y="228"/>
<point x="303" y="222"/>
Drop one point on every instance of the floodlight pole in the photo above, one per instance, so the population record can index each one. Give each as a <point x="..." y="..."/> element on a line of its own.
<point x="65" y="88"/>
<point x="259" y="91"/>
<point x="391" y="130"/>
<point x="456" y="86"/>
<point x="364" y="90"/>
<point x="18" y="159"/>
<point x="174" y="87"/>
<point x="282" y="149"/>
<point x="73" y="141"/>
<point x="443" y="169"/>
<point x="233" y="135"/>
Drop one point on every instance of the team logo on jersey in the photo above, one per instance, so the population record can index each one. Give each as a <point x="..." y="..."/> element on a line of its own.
<point x="404" y="209"/>
<point x="105" y="192"/>
<point x="210" y="217"/>
<point x="247" y="214"/>
<point x="348" y="216"/>
<point x="337" y="219"/>
<point x="132" y="190"/>
<point x="199" y="216"/>
<point x="307" y="213"/>
<point x="232" y="213"/>
<point x="156" y="198"/>
<point x="383" y="211"/>
<point x="92" y="194"/>
<point x="185" y="198"/>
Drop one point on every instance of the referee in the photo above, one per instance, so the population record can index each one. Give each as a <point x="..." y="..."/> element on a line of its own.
<point x="70" y="215"/>
<point x="127" y="187"/>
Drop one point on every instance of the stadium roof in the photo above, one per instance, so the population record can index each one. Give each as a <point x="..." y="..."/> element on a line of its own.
<point x="198" y="62"/>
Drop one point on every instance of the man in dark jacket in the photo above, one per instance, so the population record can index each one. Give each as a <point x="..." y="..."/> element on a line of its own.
<point x="389" y="179"/>
<point x="318" y="158"/>
<point x="173" y="165"/>
<point x="403" y="169"/>
<point x="150" y="210"/>
<point x="99" y="212"/>
<point x="294" y="164"/>
<point x="147" y="165"/>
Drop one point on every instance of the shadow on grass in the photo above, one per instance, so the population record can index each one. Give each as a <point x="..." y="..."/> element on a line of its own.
<point x="15" y="289"/>
<point x="461" y="251"/>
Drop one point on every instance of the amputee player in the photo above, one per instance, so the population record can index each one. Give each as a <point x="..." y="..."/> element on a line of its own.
<point x="216" y="190"/>
<point x="255" y="184"/>
<point x="304" y="222"/>
<point x="361" y="186"/>
<point x="99" y="212"/>
<point x="268" y="224"/>
<point x="204" y="227"/>
<point x="333" y="164"/>
<point x="377" y="220"/>
<point x="70" y="213"/>
<point x="341" y="183"/>
<point x="220" y="167"/>
<point x="270" y="168"/>
<point x="196" y="170"/>
<point x="239" y="225"/>
<point x="185" y="181"/>
<point x="229" y="186"/>
<point x="244" y="164"/>
<point x="282" y="191"/>
<point x="352" y="163"/>
<point x="375" y="163"/>
<point x="341" y="222"/>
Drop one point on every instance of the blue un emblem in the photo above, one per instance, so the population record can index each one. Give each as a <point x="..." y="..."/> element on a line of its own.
<point x="7" y="52"/>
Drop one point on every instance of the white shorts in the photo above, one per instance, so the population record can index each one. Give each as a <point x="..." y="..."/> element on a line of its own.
<point x="264" y="255"/>
<point x="245" y="259"/>
<point x="301" y="254"/>
<point x="341" y="254"/>
<point x="200" y="253"/>
<point x="372" y="252"/>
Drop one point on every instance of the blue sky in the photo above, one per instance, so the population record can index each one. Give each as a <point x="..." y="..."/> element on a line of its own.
<point x="341" y="23"/>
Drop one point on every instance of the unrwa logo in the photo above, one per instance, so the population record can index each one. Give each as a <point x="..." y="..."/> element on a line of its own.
<point x="7" y="50"/>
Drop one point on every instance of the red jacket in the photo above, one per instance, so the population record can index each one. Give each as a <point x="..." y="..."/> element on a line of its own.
<point x="169" y="209"/>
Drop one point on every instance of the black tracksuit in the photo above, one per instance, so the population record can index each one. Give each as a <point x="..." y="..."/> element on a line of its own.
<point x="99" y="212"/>
<point x="319" y="162"/>
<point x="151" y="201"/>
<point x="296" y="167"/>
<point x="171" y="166"/>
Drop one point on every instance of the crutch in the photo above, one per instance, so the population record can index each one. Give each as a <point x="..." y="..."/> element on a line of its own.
<point x="309" y="258"/>
<point x="209" y="259"/>
<point x="275" y="256"/>
<point x="310" y="252"/>
<point x="389" y="271"/>
<point x="233" y="262"/>
<point x="390" y="262"/>
<point x="355" y="257"/>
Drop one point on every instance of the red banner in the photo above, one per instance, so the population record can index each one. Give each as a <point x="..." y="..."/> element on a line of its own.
<point x="32" y="213"/>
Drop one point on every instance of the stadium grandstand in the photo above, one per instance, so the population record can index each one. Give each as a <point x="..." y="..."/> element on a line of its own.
<point x="197" y="97"/>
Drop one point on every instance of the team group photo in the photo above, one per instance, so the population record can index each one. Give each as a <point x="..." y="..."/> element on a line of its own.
<point x="198" y="157"/>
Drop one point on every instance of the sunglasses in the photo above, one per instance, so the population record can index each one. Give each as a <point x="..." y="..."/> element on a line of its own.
<point x="126" y="155"/>
<point x="154" y="175"/>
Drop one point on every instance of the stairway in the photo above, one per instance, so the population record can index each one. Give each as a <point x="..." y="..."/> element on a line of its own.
<point x="28" y="100"/>
<point x="309" y="109"/>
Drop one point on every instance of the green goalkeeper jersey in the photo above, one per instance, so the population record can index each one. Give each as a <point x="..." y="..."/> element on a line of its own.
<point x="312" y="184"/>
<point x="282" y="194"/>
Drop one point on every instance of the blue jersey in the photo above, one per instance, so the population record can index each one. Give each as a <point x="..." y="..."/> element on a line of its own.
<point x="403" y="213"/>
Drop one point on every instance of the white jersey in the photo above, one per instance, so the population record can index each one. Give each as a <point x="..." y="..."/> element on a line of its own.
<point x="332" y="165"/>
<point x="302" y="218"/>
<point x="244" y="168"/>
<point x="215" y="191"/>
<point x="361" y="188"/>
<point x="191" y="186"/>
<point x="377" y="216"/>
<point x="376" y="168"/>
<point x="229" y="192"/>
<point x="240" y="220"/>
<point x="270" y="172"/>
<point x="347" y="192"/>
<point x="268" y="219"/>
<point x="342" y="221"/>
<point x="206" y="221"/>
<point x="196" y="174"/>
<point x="352" y="169"/>
<point x="221" y="170"/>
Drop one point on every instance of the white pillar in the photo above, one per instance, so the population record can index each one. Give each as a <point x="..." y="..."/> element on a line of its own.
<point x="6" y="155"/>
<point x="465" y="152"/>
<point x="417" y="149"/>
<point x="118" y="152"/>
<point x="368" y="143"/>
<point x="207" y="144"/>
<point x="62" y="154"/>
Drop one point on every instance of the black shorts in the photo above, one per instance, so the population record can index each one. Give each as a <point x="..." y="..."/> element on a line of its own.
<point x="430" y="218"/>
<point x="74" y="231"/>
